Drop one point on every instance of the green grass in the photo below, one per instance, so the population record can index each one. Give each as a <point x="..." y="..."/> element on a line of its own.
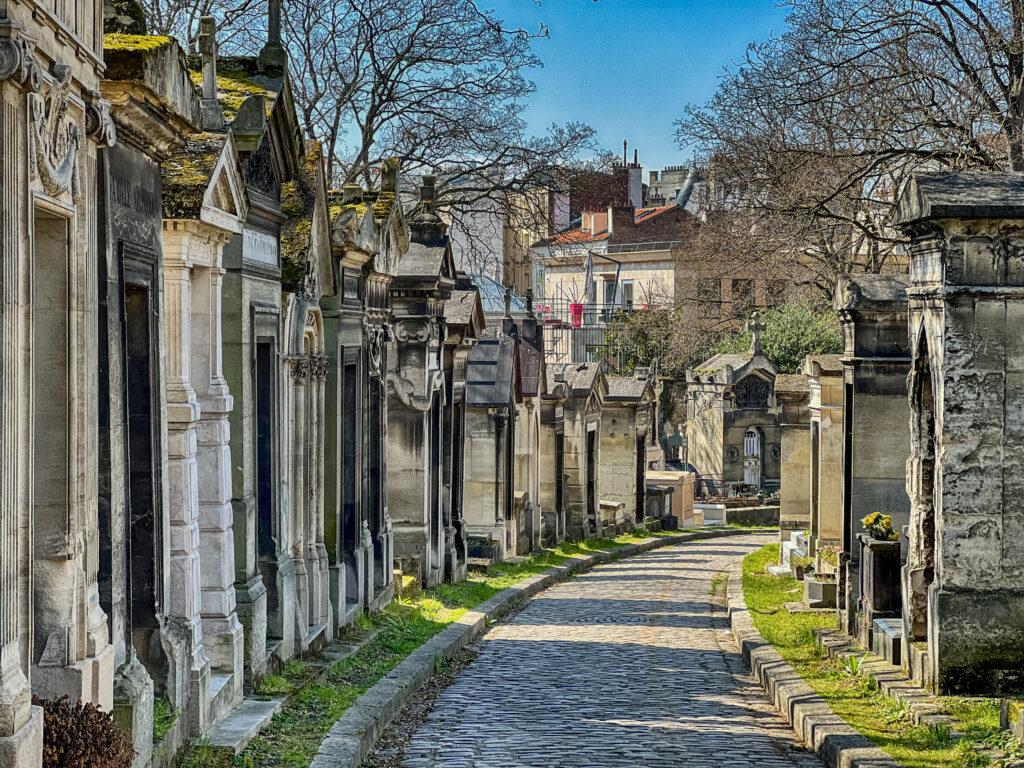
<point x="295" y="733"/>
<point x="164" y="717"/>
<point x="856" y="698"/>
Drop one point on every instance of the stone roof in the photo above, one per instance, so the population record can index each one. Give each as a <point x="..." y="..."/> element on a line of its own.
<point x="626" y="388"/>
<point x="577" y="376"/>
<point x="298" y="201"/>
<point x="458" y="310"/>
<point x="792" y="382"/>
<point x="492" y="372"/>
<point x="871" y="292"/>
<point x="422" y="261"/>
<point x="947" y="194"/>
<point x="823" y="365"/>
<point x="186" y="174"/>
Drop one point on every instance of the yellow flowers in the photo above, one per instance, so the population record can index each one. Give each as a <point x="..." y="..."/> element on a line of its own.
<point x="880" y="526"/>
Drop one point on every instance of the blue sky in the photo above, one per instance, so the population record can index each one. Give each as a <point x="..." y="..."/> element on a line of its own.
<point x="627" y="67"/>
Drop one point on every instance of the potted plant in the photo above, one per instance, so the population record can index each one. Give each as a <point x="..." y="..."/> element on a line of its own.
<point x="820" y="591"/>
<point x="880" y="567"/>
<point x="801" y="566"/>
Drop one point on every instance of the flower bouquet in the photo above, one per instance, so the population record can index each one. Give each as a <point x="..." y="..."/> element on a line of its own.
<point x="879" y="527"/>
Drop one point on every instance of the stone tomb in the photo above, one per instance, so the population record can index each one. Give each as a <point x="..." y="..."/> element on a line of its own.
<point x="732" y="426"/>
<point x="876" y="359"/>
<point x="626" y="425"/>
<point x="493" y="391"/>
<point x="825" y="380"/>
<point x="963" y="584"/>
<point x="792" y="398"/>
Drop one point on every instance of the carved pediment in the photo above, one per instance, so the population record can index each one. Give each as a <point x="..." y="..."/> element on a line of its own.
<point x="53" y="135"/>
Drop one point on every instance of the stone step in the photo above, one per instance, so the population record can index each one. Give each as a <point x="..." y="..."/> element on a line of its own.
<point x="887" y="640"/>
<point x="236" y="730"/>
<point x="482" y="565"/>
<point x="779" y="570"/>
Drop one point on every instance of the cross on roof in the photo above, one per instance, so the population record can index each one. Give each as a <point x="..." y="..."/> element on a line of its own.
<point x="755" y="326"/>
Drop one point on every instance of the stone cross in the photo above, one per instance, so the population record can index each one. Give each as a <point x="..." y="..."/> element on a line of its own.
<point x="274" y="24"/>
<point x="208" y="49"/>
<point x="755" y="326"/>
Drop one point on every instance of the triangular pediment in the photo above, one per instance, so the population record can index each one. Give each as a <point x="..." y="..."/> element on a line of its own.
<point x="224" y="203"/>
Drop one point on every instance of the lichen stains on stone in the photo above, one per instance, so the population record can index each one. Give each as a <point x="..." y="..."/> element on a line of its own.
<point x="187" y="173"/>
<point x="121" y="42"/>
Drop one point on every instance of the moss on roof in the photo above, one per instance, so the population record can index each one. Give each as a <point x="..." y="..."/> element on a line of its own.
<point x="186" y="174"/>
<point x="120" y="42"/>
<point x="233" y="87"/>
<point x="125" y="56"/>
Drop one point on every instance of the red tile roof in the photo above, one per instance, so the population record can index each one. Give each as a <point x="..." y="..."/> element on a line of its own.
<point x="580" y="235"/>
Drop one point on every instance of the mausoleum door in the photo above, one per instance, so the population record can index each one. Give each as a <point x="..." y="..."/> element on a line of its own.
<point x="921" y="559"/>
<point x="752" y="458"/>
<point x="144" y="572"/>
<point x="641" y="466"/>
<point x="592" y="480"/>
<point x="266" y="524"/>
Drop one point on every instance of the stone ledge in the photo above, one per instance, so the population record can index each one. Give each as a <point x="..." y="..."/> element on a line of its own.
<point x="836" y="742"/>
<point x="353" y="735"/>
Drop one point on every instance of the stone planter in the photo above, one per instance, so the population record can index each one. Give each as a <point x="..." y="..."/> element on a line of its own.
<point x="880" y="587"/>
<point x="819" y="594"/>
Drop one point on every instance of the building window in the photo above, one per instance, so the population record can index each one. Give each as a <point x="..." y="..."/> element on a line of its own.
<point x="627" y="294"/>
<point x="742" y="297"/>
<point x="709" y="297"/>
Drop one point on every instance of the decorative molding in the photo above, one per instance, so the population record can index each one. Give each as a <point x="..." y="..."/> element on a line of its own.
<point x="99" y="125"/>
<point x="376" y="337"/>
<point x="405" y="391"/>
<point x="423" y="330"/>
<point x="18" y="61"/>
<point x="53" y="137"/>
<point x="318" y="367"/>
<point x="300" y="368"/>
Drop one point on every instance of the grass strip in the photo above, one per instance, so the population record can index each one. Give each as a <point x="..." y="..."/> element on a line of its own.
<point x="295" y="733"/>
<point x="856" y="698"/>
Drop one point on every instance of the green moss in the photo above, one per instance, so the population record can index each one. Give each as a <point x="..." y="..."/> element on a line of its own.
<point x="120" y="42"/>
<point x="125" y="56"/>
<point x="186" y="174"/>
<point x="234" y="87"/>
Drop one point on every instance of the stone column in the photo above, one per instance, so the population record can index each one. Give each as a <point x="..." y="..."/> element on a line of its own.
<point x="183" y="413"/>
<point x="299" y="495"/>
<point x="21" y="725"/>
<point x="222" y="631"/>
<point x="317" y="555"/>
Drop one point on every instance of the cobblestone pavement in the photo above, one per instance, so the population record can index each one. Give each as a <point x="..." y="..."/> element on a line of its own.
<point x="627" y="665"/>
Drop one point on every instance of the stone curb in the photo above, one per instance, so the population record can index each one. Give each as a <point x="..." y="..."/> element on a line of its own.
<point x="353" y="735"/>
<point x="836" y="742"/>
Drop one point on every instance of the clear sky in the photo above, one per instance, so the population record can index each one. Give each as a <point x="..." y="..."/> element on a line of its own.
<point x="627" y="67"/>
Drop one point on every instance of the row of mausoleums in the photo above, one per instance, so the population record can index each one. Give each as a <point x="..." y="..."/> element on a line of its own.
<point x="921" y="420"/>
<point x="232" y="402"/>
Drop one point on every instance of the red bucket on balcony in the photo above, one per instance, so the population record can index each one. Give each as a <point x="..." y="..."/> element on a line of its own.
<point x="576" y="314"/>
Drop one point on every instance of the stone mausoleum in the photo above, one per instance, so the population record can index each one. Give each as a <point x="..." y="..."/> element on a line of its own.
<point x="963" y="585"/>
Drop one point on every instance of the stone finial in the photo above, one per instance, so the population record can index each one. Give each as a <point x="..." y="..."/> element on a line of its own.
<point x="508" y="302"/>
<point x="212" y="114"/>
<point x="273" y="55"/>
<point x="389" y="170"/>
<point x="426" y="226"/>
<point x="529" y="301"/>
<point x="755" y="326"/>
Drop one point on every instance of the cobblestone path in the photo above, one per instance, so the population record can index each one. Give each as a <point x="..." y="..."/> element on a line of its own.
<point x="627" y="665"/>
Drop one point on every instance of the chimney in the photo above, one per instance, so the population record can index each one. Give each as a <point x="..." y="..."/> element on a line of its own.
<point x="621" y="221"/>
<point x="426" y="226"/>
<point x="273" y="57"/>
<point x="625" y="152"/>
<point x="636" y="157"/>
<point x="211" y="115"/>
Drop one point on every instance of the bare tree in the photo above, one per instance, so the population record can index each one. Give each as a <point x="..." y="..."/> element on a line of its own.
<point x="180" y="18"/>
<point x="815" y="131"/>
